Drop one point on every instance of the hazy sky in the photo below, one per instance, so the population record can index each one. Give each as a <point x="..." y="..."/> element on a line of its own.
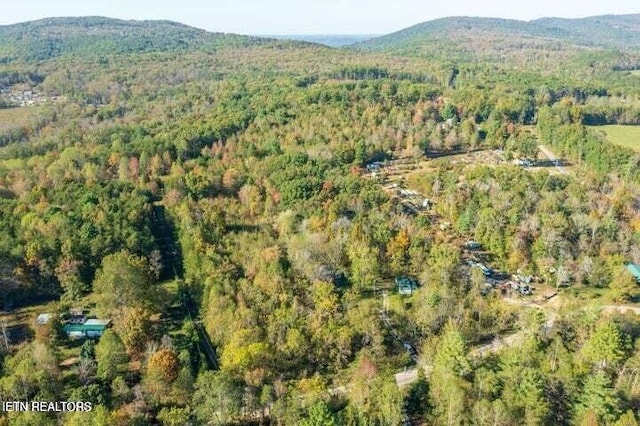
<point x="308" y="17"/>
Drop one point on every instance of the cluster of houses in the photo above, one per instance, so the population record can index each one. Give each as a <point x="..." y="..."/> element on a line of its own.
<point x="23" y="98"/>
<point x="413" y="203"/>
<point x="78" y="326"/>
<point x="520" y="284"/>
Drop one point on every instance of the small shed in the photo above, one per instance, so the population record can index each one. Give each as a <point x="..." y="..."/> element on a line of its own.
<point x="634" y="269"/>
<point x="406" y="285"/>
<point x="90" y="329"/>
<point x="76" y="312"/>
<point x="43" y="319"/>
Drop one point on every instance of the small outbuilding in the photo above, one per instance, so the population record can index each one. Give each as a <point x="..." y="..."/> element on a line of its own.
<point x="43" y="319"/>
<point x="406" y="285"/>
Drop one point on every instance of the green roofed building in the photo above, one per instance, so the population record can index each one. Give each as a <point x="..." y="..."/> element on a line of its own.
<point x="91" y="328"/>
<point x="406" y="285"/>
<point x="634" y="268"/>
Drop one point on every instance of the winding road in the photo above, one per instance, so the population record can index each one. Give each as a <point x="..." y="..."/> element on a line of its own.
<point x="409" y="376"/>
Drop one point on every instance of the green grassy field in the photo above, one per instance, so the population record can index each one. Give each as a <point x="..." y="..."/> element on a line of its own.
<point x="17" y="117"/>
<point x="628" y="136"/>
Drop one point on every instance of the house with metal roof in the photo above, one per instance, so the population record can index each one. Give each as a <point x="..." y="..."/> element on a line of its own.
<point x="634" y="269"/>
<point x="406" y="285"/>
<point x="91" y="328"/>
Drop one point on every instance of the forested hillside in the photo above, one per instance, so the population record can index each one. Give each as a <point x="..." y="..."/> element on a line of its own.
<point x="475" y="38"/>
<point x="284" y="233"/>
<point x="86" y="37"/>
<point x="615" y="31"/>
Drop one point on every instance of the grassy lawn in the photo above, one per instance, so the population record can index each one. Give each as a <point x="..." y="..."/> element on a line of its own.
<point x="20" y="322"/>
<point x="628" y="136"/>
<point x="589" y="295"/>
<point x="11" y="118"/>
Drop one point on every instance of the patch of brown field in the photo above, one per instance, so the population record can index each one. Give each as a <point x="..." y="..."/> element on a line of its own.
<point x="11" y="118"/>
<point x="134" y="366"/>
<point x="69" y="362"/>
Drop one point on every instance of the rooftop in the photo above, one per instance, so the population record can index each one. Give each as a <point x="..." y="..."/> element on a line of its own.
<point x="406" y="285"/>
<point x="88" y="326"/>
<point x="43" y="318"/>
<point x="634" y="269"/>
<point x="70" y="328"/>
<point x="97" y="322"/>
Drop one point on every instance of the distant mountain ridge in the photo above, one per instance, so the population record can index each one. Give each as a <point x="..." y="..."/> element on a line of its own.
<point x="331" y="40"/>
<point x="53" y="37"/>
<point x="609" y="31"/>
<point x="464" y="37"/>
<point x="621" y="31"/>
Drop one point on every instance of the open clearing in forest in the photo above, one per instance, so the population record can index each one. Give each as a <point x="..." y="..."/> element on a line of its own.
<point x="11" y="118"/>
<point x="628" y="136"/>
<point x="412" y="171"/>
<point x="19" y="322"/>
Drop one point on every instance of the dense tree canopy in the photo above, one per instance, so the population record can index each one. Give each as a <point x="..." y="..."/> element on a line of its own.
<point x="214" y="202"/>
